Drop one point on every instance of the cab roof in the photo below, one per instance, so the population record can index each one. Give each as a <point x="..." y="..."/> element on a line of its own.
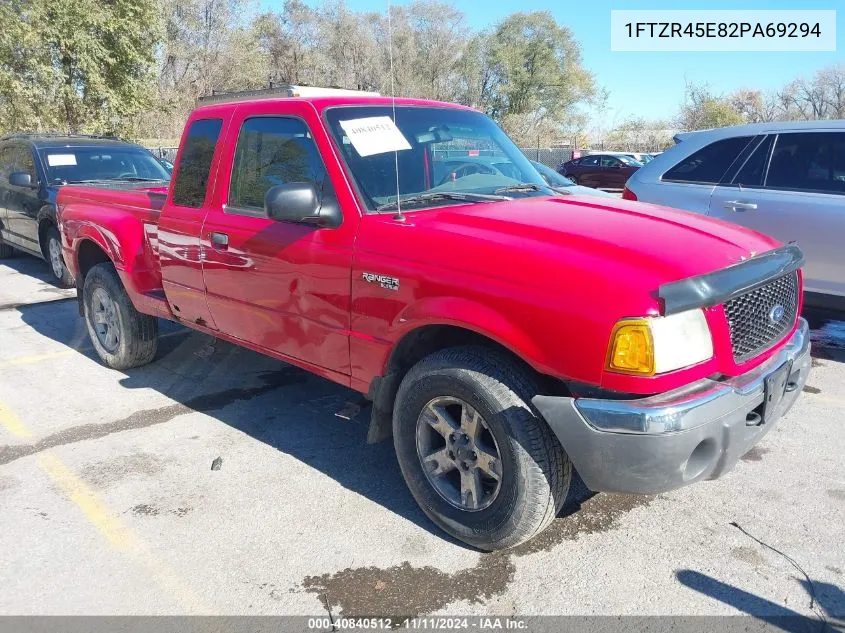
<point x="324" y="102"/>
<point x="45" y="141"/>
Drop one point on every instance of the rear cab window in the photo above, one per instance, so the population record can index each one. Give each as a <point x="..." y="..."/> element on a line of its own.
<point x="708" y="165"/>
<point x="191" y="183"/>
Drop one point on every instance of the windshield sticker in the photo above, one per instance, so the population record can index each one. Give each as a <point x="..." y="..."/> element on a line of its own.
<point x="374" y="135"/>
<point x="60" y="160"/>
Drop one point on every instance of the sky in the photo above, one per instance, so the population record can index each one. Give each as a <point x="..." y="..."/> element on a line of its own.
<point x="651" y="84"/>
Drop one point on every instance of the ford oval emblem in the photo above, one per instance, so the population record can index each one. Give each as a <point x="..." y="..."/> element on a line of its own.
<point x="776" y="313"/>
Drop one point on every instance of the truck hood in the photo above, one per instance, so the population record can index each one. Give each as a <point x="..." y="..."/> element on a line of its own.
<point x="549" y="242"/>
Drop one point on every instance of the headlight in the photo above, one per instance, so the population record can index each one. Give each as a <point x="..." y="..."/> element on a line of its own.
<point x="659" y="344"/>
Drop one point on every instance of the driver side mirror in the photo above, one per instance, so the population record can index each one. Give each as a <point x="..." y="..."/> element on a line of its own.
<point x="298" y="202"/>
<point x="20" y="179"/>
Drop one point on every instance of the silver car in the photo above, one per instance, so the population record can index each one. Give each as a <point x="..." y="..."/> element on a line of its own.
<point x="786" y="179"/>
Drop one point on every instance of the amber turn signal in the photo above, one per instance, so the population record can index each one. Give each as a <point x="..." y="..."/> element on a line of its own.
<point x="631" y="349"/>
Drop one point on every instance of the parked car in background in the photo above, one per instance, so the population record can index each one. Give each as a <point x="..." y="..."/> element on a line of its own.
<point x="166" y="164"/>
<point x="606" y="171"/>
<point x="506" y="336"/>
<point x="562" y="184"/>
<point x="34" y="166"/>
<point x="786" y="179"/>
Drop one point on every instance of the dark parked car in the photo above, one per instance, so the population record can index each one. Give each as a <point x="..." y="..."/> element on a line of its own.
<point x="34" y="166"/>
<point x="607" y="171"/>
<point x="562" y="184"/>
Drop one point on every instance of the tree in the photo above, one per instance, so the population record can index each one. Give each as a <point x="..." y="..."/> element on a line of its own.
<point x="703" y="110"/>
<point x="207" y="45"/>
<point x="533" y="63"/>
<point x="83" y="65"/>
<point x="28" y="81"/>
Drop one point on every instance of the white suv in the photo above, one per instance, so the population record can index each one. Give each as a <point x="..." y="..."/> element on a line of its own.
<point x="786" y="179"/>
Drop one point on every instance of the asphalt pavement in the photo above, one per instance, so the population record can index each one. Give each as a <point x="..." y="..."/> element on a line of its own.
<point x="109" y="503"/>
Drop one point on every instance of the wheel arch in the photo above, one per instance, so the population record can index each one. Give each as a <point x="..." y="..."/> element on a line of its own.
<point x="419" y="341"/>
<point x="46" y="219"/>
<point x="88" y="253"/>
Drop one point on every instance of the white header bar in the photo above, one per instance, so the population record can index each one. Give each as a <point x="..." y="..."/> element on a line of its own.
<point x="722" y="30"/>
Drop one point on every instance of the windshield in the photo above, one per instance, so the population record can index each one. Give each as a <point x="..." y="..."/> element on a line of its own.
<point x="445" y="156"/>
<point x="552" y="178"/>
<point x="82" y="164"/>
<point x="630" y="161"/>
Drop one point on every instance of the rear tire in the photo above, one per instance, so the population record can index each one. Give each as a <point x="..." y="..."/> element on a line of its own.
<point x="534" y="472"/>
<point x="6" y="251"/>
<point x="53" y="253"/>
<point x="122" y="336"/>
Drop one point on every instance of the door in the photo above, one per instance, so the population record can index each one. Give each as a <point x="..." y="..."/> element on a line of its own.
<point x="613" y="173"/>
<point x="180" y="222"/>
<point x="22" y="203"/>
<point x="689" y="184"/>
<point x="282" y="286"/>
<point x="793" y="188"/>
<point x="587" y="171"/>
<point x="5" y="170"/>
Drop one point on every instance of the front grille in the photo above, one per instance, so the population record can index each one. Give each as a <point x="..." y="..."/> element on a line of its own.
<point x="752" y="316"/>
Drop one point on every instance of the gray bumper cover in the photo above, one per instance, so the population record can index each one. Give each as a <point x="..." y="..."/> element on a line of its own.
<point x="673" y="439"/>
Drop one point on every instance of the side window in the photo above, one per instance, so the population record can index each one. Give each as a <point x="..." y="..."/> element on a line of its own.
<point x="609" y="161"/>
<point x="23" y="161"/>
<point x="710" y="163"/>
<point x="808" y="161"/>
<point x="752" y="172"/>
<point x="590" y="161"/>
<point x="5" y="164"/>
<point x="195" y="163"/>
<point x="272" y="151"/>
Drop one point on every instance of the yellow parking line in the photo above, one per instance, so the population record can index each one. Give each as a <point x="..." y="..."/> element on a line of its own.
<point x="97" y="513"/>
<point x="38" y="358"/>
<point x="92" y="507"/>
<point x="28" y="360"/>
<point x="12" y="423"/>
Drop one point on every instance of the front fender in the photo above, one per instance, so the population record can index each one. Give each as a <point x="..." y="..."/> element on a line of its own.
<point x="474" y="316"/>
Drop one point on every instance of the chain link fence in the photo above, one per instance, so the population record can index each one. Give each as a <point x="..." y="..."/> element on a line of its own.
<point x="167" y="153"/>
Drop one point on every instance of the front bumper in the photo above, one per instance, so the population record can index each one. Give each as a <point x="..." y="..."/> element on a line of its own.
<point x="673" y="439"/>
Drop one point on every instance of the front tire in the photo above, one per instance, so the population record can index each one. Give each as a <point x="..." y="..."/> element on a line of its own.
<point x="6" y="251"/>
<point x="478" y="459"/>
<point x="53" y="251"/>
<point x="122" y="336"/>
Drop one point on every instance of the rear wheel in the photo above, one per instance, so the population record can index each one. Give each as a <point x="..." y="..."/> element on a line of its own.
<point x="122" y="336"/>
<point x="477" y="458"/>
<point x="56" y="260"/>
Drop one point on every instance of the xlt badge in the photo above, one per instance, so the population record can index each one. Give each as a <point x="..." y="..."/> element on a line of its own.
<point x="389" y="283"/>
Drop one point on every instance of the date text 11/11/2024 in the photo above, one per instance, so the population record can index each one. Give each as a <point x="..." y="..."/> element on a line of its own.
<point x="423" y="623"/>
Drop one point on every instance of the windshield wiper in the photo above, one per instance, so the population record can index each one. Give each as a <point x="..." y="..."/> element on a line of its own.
<point x="138" y="179"/>
<point x="523" y="186"/>
<point x="441" y="195"/>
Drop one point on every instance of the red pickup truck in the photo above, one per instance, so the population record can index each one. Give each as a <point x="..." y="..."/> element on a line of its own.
<point x="505" y="333"/>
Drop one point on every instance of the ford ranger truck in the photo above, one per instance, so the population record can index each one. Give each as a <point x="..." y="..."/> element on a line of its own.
<point x="505" y="333"/>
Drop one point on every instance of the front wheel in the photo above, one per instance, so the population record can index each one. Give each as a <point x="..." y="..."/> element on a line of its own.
<point x="477" y="458"/>
<point x="6" y="251"/>
<point x="122" y="336"/>
<point x="61" y="274"/>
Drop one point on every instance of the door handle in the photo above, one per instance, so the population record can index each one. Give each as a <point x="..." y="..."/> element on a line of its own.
<point x="219" y="240"/>
<point x="739" y="205"/>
